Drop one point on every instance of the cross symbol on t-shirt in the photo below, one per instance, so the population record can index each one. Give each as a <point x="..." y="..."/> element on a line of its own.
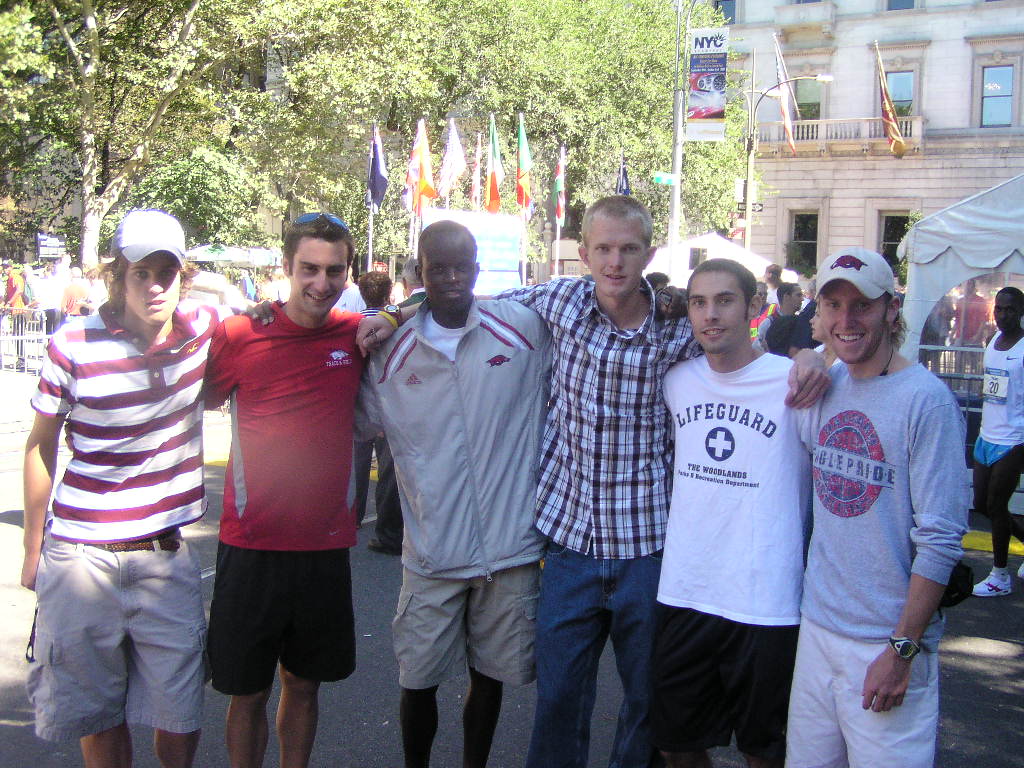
<point x="719" y="444"/>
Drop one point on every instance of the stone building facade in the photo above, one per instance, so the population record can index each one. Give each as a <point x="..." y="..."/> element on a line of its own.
<point x="955" y="69"/>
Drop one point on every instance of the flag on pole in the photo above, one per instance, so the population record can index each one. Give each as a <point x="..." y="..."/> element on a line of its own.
<point x="787" y="102"/>
<point x="890" y="123"/>
<point x="376" y="173"/>
<point x="454" y="163"/>
<point x="559" y="188"/>
<point x="474" y="192"/>
<point x="523" y="198"/>
<point x="622" y="181"/>
<point x="495" y="173"/>
<point x="419" y="179"/>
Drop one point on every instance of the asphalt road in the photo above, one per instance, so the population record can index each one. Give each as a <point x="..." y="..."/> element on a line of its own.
<point x="982" y="674"/>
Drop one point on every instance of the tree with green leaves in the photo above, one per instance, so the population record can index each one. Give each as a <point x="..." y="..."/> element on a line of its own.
<point x="286" y="93"/>
<point x="127" y="84"/>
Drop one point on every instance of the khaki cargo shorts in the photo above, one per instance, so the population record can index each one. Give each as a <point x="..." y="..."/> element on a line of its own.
<point x="443" y="624"/>
<point x="120" y="638"/>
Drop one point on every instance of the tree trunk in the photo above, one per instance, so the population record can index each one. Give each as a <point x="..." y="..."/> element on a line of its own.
<point x="89" y="252"/>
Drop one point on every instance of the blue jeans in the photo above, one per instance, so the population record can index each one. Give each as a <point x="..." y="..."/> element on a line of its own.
<point x="583" y="602"/>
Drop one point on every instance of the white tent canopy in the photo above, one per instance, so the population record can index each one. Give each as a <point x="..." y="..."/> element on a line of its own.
<point x="980" y="234"/>
<point x="717" y="247"/>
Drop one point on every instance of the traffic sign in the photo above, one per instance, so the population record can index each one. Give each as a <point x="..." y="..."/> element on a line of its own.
<point x="754" y="207"/>
<point x="662" y="177"/>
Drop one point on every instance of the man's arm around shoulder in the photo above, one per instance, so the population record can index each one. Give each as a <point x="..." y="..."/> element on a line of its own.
<point x="221" y="370"/>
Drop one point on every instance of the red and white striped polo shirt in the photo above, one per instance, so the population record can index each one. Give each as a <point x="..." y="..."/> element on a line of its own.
<point x="134" y="424"/>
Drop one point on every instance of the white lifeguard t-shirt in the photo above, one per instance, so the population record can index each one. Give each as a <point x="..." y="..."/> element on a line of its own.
<point x="741" y="493"/>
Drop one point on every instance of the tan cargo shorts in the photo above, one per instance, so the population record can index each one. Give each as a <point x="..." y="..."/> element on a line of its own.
<point x="443" y="624"/>
<point x="119" y="638"/>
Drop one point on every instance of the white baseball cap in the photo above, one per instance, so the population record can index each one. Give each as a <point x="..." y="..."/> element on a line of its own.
<point x="869" y="272"/>
<point x="145" y="231"/>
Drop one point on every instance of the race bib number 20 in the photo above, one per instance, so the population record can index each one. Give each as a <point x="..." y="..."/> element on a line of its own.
<point x="996" y="385"/>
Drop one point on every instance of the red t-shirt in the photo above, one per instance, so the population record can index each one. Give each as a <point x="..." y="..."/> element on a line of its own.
<point x="293" y="393"/>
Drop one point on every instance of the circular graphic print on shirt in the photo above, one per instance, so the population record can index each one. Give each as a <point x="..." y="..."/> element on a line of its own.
<point x="850" y="470"/>
<point x="719" y="444"/>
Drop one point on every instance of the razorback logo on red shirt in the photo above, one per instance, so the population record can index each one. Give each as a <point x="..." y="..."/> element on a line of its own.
<point x="497" y="360"/>
<point x="846" y="261"/>
<point x="339" y="357"/>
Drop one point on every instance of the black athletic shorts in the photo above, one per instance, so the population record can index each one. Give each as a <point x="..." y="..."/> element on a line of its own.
<point x="711" y="677"/>
<point x="292" y="607"/>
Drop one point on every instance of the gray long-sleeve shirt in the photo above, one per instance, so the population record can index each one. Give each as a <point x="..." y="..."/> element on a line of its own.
<point x="890" y="499"/>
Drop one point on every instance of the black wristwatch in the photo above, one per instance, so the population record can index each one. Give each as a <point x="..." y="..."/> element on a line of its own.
<point x="904" y="647"/>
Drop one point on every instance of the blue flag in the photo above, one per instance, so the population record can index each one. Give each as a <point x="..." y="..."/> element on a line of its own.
<point x="622" y="182"/>
<point x="376" y="173"/>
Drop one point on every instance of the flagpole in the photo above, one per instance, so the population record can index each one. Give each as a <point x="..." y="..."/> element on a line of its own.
<point x="748" y="182"/>
<point x="369" y="242"/>
<point x="558" y="237"/>
<point x="369" y="200"/>
<point x="526" y="238"/>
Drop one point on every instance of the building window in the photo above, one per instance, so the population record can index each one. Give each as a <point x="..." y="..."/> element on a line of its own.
<point x="808" y="99"/>
<point x="899" y="5"/>
<point x="801" y="2"/>
<point x="901" y="90"/>
<point x="728" y="9"/>
<point x="996" y="96"/>
<point x="697" y="255"/>
<point x="894" y="227"/>
<point x="802" y="249"/>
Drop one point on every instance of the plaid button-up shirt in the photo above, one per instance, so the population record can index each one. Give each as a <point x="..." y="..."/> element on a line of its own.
<point x="606" y="457"/>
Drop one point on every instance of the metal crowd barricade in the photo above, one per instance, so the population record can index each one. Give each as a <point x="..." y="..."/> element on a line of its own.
<point x="962" y="370"/>
<point x="22" y="340"/>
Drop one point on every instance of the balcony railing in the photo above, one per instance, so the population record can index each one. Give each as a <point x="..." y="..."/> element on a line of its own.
<point x="860" y="133"/>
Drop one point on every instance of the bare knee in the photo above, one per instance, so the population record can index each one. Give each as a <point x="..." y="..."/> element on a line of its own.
<point x="175" y="750"/>
<point x="300" y="687"/>
<point x="250" y="704"/>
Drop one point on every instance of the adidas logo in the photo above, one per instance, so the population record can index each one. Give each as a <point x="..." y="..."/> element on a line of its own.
<point x="413" y="379"/>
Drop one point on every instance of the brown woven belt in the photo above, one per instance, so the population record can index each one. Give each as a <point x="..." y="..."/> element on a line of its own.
<point x="168" y="541"/>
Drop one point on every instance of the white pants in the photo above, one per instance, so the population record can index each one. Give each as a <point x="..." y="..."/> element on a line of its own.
<point x="828" y="727"/>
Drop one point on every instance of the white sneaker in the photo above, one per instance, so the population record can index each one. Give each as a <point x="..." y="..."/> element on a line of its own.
<point x="993" y="586"/>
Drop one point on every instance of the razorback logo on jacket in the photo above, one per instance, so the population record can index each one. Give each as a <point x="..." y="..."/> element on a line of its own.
<point x="497" y="360"/>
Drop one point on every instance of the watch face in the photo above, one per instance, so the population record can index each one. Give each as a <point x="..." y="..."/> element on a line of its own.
<point x="905" y="649"/>
<point x="392" y="308"/>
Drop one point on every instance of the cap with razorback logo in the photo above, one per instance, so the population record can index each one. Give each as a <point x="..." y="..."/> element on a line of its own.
<point x="868" y="271"/>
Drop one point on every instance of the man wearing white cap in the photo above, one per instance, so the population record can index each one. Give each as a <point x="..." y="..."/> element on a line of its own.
<point x="121" y="629"/>
<point x="890" y="509"/>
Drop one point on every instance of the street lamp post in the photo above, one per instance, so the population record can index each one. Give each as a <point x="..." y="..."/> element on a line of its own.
<point x="751" y="139"/>
<point x="680" y="97"/>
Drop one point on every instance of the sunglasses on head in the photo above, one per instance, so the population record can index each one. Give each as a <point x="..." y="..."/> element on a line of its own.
<point x="307" y="218"/>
